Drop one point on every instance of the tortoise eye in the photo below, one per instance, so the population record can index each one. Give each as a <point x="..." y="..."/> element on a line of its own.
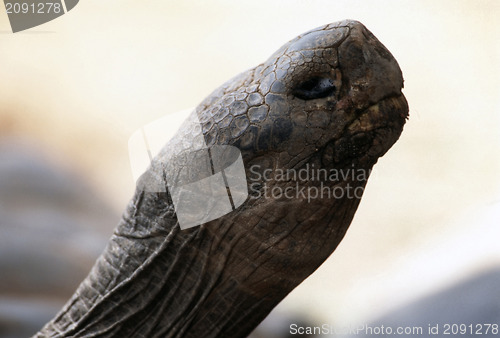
<point x="314" y="88"/>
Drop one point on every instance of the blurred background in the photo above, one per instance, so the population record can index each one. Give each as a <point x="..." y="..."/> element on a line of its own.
<point x="423" y="246"/>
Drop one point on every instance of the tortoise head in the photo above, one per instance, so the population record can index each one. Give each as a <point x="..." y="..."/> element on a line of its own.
<point x="310" y="123"/>
<point x="326" y="103"/>
<point x="331" y="96"/>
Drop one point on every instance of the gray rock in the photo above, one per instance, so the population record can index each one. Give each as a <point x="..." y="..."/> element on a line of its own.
<point x="52" y="228"/>
<point x="475" y="301"/>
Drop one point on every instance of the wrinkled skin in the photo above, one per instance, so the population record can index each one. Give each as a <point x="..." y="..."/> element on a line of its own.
<point x="331" y="98"/>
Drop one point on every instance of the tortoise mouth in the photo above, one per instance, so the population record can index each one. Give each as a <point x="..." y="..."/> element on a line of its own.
<point x="384" y="122"/>
<point x="373" y="132"/>
<point x="389" y="112"/>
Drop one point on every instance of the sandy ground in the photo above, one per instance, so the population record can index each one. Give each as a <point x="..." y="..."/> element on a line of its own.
<point x="80" y="85"/>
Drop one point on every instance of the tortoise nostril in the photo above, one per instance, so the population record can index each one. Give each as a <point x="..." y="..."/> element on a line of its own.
<point x="314" y="88"/>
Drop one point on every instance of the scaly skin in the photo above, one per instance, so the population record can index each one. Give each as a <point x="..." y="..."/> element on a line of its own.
<point x="329" y="99"/>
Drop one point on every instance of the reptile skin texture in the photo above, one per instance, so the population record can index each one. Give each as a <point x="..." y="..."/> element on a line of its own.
<point x="329" y="99"/>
